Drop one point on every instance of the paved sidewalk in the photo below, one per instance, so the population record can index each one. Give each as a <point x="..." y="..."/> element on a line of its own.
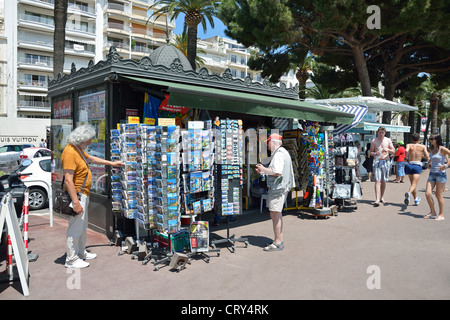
<point x="336" y="258"/>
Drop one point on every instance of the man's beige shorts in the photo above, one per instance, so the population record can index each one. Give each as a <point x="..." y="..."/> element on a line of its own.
<point x="276" y="203"/>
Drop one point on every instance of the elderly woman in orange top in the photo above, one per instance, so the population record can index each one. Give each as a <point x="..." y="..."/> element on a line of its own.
<point x="78" y="180"/>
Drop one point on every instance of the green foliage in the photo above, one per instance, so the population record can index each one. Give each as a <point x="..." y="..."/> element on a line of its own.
<point x="286" y="29"/>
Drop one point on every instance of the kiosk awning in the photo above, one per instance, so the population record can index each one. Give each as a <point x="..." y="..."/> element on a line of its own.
<point x="247" y="103"/>
<point x="373" y="126"/>
<point x="373" y="103"/>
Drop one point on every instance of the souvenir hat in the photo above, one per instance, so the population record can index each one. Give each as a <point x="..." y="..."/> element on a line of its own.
<point x="274" y="136"/>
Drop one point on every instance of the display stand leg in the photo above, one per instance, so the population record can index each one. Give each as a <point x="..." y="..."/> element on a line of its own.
<point x="160" y="256"/>
<point x="230" y="240"/>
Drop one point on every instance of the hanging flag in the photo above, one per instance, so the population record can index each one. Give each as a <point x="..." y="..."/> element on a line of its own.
<point x="164" y="106"/>
<point x="151" y="105"/>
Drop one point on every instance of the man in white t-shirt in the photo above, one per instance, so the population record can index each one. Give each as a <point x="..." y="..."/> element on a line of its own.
<point x="280" y="180"/>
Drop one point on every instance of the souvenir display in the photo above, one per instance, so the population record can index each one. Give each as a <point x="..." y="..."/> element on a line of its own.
<point x="197" y="144"/>
<point x="345" y="184"/>
<point x="146" y="188"/>
<point x="162" y="153"/>
<point x="229" y="168"/>
<point x="124" y="186"/>
<point x="313" y="172"/>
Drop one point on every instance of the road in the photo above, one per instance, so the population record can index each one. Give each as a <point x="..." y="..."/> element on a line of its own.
<point x="387" y="252"/>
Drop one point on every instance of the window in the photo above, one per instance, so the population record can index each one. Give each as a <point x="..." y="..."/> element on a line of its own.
<point x="233" y="58"/>
<point x="35" y="80"/>
<point x="46" y="165"/>
<point x="37" y="59"/>
<point x="92" y="109"/>
<point x="80" y="26"/>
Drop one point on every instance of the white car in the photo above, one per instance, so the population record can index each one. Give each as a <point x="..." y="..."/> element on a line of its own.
<point x="34" y="152"/>
<point x="39" y="182"/>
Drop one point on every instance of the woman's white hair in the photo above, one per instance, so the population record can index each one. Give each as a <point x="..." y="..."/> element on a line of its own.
<point x="81" y="134"/>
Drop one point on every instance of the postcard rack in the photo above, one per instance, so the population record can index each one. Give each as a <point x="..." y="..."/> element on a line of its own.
<point x="229" y="167"/>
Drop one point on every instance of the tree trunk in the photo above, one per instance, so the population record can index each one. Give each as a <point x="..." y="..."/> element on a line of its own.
<point x="59" y="36"/>
<point x="302" y="77"/>
<point x="447" y="132"/>
<point x="411" y="123"/>
<point x="363" y="72"/>
<point x="434" y="111"/>
<point x="425" y="134"/>
<point x="389" y="90"/>
<point x="192" y="44"/>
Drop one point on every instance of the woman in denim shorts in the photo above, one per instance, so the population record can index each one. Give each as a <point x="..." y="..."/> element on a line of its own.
<point x="438" y="176"/>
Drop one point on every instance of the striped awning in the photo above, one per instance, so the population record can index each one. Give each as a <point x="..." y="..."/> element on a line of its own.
<point x="358" y="111"/>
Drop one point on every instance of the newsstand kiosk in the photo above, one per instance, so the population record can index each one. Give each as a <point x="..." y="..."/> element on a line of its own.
<point x="114" y="93"/>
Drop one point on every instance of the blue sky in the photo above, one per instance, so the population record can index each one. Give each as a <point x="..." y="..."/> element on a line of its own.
<point x="219" y="27"/>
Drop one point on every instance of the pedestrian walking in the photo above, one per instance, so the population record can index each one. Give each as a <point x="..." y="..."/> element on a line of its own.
<point x="400" y="162"/>
<point x="381" y="147"/>
<point x="78" y="179"/>
<point x="437" y="177"/>
<point x="414" y="152"/>
<point x="280" y="180"/>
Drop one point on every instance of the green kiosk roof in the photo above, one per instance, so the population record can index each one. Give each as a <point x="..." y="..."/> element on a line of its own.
<point x="200" y="97"/>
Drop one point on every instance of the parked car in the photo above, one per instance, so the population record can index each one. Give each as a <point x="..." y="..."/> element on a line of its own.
<point x="14" y="147"/>
<point x="10" y="156"/>
<point x="38" y="182"/>
<point x="35" y="152"/>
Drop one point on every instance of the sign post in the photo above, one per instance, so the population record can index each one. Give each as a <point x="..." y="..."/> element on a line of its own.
<point x="8" y="214"/>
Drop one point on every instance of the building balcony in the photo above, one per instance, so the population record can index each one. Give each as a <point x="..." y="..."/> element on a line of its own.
<point x="26" y="84"/>
<point x="34" y="106"/>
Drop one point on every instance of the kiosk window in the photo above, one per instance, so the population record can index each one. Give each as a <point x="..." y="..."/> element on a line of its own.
<point x="91" y="109"/>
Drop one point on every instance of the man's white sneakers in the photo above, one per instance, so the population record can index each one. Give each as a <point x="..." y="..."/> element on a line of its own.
<point x="77" y="264"/>
<point x="89" y="256"/>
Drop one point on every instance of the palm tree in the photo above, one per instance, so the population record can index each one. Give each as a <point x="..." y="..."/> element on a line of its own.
<point x="196" y="12"/>
<point x="180" y="42"/>
<point x="302" y="73"/>
<point x="59" y="36"/>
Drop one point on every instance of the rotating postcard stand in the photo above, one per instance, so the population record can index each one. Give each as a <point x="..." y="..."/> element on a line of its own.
<point x="229" y="180"/>
<point x="197" y="188"/>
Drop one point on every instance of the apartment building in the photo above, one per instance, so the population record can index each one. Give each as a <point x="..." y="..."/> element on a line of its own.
<point x="220" y="53"/>
<point x="26" y="52"/>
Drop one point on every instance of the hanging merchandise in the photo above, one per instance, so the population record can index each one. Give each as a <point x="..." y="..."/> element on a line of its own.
<point x="345" y="182"/>
<point x="312" y="140"/>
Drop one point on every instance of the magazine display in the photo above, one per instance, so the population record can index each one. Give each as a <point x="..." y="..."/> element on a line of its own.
<point x="199" y="236"/>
